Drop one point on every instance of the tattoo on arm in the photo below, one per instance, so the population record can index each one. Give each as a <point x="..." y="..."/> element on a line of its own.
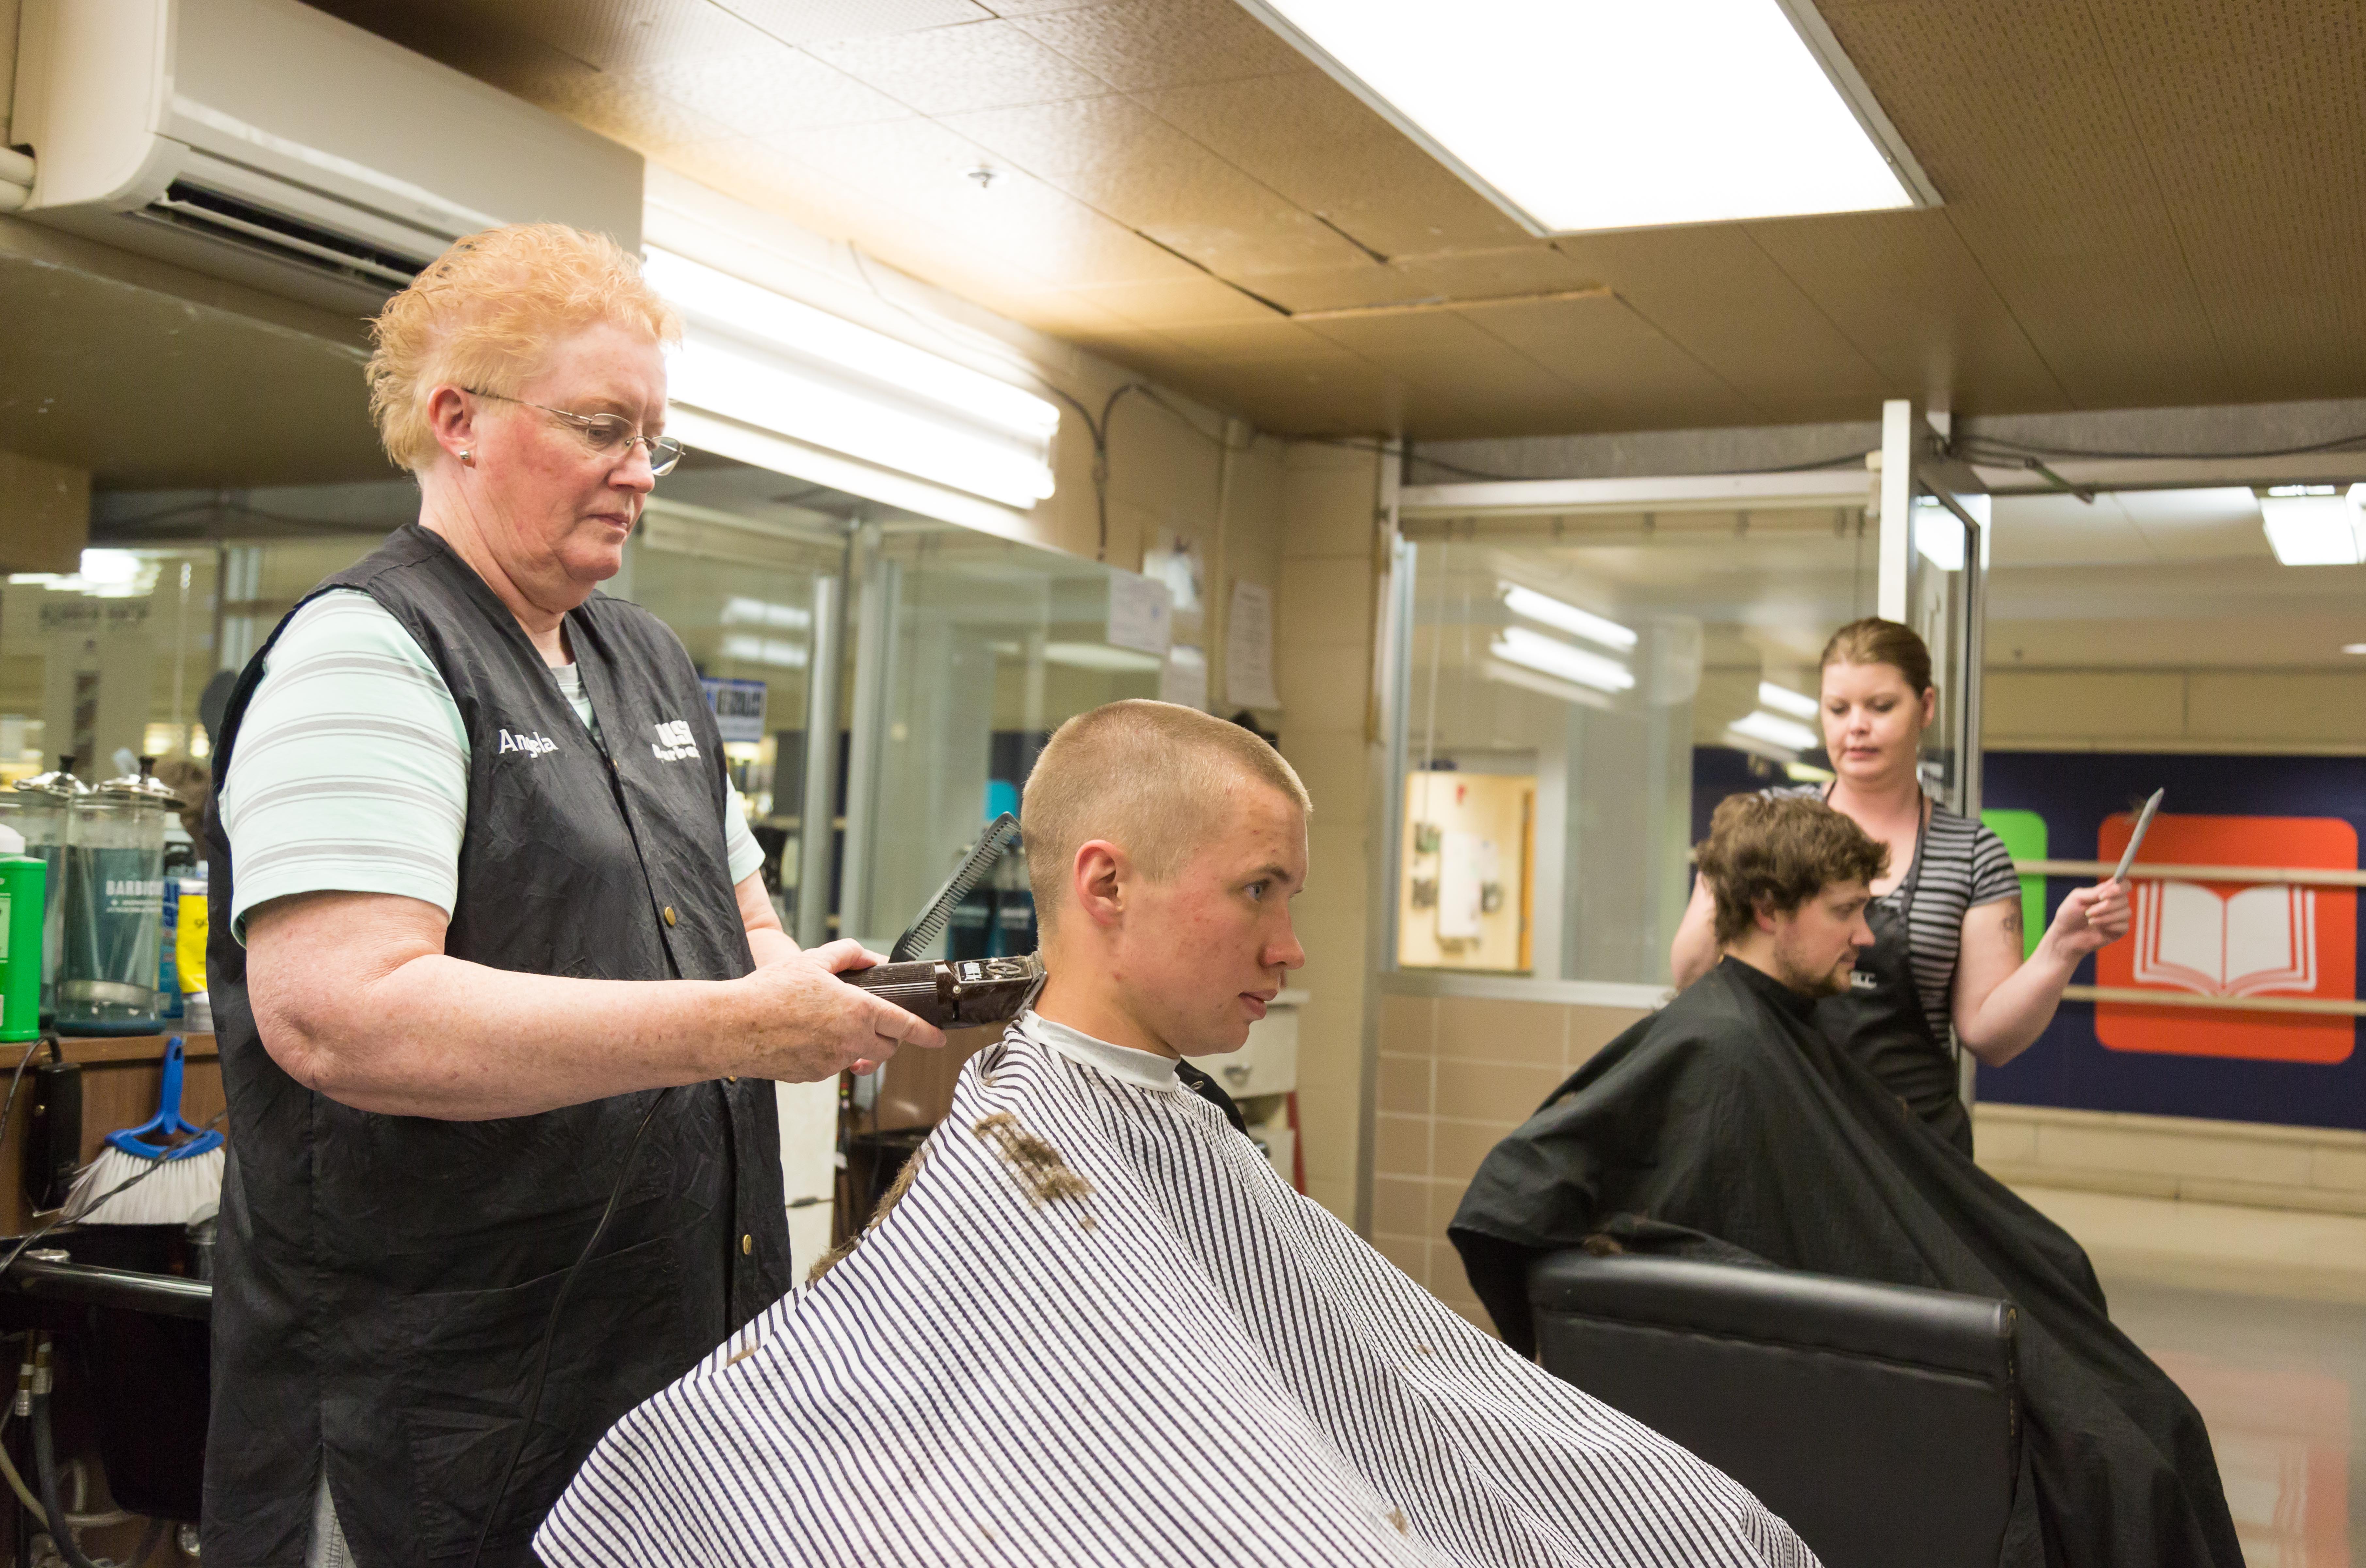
<point x="2013" y="919"/>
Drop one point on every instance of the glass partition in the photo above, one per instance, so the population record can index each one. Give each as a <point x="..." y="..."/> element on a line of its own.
<point x="1579" y="692"/>
<point x="1943" y="574"/>
<point x="971" y="651"/>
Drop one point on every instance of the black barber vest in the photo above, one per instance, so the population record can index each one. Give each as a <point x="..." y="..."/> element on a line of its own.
<point x="382" y="1283"/>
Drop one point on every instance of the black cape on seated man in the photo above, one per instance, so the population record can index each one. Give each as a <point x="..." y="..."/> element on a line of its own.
<point x="1727" y="1121"/>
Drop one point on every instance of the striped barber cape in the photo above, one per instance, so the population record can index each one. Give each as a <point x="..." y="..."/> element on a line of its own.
<point x="1097" y="1329"/>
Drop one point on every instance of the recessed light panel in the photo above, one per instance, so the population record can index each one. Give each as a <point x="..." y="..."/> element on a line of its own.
<point x="1576" y="114"/>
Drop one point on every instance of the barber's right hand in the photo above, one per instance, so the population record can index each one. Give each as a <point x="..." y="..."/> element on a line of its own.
<point x="808" y="1025"/>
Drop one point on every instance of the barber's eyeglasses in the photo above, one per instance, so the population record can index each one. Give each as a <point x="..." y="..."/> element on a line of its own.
<point x="610" y="435"/>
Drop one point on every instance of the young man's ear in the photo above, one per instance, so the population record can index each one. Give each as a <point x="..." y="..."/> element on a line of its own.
<point x="1764" y="916"/>
<point x="1096" y="881"/>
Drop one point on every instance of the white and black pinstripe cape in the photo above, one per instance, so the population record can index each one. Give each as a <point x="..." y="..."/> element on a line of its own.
<point x="1189" y="1364"/>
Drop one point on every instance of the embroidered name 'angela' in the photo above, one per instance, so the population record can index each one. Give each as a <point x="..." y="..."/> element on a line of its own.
<point x="531" y="745"/>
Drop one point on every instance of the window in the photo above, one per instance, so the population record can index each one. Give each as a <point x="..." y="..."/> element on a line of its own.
<point x="1578" y="694"/>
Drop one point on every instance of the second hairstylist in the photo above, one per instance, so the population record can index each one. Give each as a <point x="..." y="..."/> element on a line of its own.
<point x="1945" y="972"/>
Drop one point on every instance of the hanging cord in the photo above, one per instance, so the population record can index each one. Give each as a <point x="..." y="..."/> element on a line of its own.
<point x="52" y="1513"/>
<point x="1098" y="429"/>
<point x="550" y="1329"/>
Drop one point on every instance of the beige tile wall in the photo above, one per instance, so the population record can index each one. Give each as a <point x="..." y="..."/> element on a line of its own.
<point x="1323" y="659"/>
<point x="2074" y="710"/>
<point x="2317" y="1168"/>
<point x="1456" y="1074"/>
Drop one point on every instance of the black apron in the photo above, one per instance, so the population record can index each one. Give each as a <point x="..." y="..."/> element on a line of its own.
<point x="382" y="1283"/>
<point x="1880" y="1021"/>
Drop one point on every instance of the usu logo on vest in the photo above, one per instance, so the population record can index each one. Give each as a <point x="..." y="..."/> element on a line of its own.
<point x="674" y="742"/>
<point x="531" y="745"/>
<point x="2200" y="936"/>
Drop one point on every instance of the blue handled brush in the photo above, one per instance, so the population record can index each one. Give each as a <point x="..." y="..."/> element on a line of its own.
<point x="175" y="1180"/>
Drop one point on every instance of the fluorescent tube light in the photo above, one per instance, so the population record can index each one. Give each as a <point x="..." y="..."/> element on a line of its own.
<point x="2312" y="530"/>
<point x="1532" y="606"/>
<point x="1777" y="731"/>
<point x="1577" y="115"/>
<point x="1103" y="659"/>
<point x="764" y="650"/>
<point x="739" y="612"/>
<point x="772" y="363"/>
<point x="1938" y="535"/>
<point x="1554" y="657"/>
<point x="1782" y="699"/>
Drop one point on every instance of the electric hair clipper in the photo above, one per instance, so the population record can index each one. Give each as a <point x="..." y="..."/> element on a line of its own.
<point x="957" y="993"/>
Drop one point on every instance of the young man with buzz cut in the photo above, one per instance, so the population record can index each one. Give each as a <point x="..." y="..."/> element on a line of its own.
<point x="1728" y="1127"/>
<point x="1094" y="1328"/>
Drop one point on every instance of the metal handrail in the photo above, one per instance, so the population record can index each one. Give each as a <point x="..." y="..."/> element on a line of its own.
<point x="2300" y="876"/>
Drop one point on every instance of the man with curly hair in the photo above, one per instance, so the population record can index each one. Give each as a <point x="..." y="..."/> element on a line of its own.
<point x="1729" y="1126"/>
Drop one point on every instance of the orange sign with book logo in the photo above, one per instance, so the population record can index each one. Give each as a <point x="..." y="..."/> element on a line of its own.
<point x="2196" y="936"/>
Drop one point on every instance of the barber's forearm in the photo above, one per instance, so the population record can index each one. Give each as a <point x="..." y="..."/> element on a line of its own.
<point x="2017" y="1011"/>
<point x="442" y="1037"/>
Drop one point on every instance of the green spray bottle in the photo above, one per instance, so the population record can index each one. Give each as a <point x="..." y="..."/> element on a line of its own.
<point x="23" y="883"/>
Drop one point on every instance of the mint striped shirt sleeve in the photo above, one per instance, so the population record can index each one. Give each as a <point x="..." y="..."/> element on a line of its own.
<point x="350" y="773"/>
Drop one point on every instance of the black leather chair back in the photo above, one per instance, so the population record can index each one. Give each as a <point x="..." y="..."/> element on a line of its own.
<point x="1882" y="1422"/>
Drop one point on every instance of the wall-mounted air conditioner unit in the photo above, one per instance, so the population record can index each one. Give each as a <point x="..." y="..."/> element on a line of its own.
<point x="265" y="142"/>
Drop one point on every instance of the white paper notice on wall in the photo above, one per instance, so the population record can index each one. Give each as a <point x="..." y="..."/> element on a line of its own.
<point x="1141" y="613"/>
<point x="1184" y="678"/>
<point x="1461" y="877"/>
<point x="1248" y="648"/>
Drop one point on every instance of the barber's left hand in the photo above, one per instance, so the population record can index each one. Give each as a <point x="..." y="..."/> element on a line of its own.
<point x="2090" y="918"/>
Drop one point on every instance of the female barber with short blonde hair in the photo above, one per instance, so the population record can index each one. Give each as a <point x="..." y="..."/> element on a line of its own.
<point x="1947" y="959"/>
<point x="500" y="980"/>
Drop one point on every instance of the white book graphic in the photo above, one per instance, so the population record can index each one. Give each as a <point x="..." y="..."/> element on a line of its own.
<point x="2262" y="939"/>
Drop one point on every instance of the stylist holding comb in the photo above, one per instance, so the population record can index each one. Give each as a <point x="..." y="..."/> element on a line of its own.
<point x="1945" y="972"/>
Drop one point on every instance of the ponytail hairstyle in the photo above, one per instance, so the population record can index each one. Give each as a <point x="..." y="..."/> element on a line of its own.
<point x="1876" y="642"/>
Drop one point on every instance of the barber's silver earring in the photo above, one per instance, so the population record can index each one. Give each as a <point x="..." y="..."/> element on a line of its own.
<point x="470" y="458"/>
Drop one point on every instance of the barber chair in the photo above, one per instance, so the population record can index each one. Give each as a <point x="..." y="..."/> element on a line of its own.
<point x="1882" y="1422"/>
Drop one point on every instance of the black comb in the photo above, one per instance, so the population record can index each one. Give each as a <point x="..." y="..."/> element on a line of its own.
<point x="972" y="871"/>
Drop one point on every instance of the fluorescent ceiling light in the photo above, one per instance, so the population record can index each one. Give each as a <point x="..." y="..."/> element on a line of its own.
<point x="2312" y="529"/>
<point x="1101" y="658"/>
<point x="763" y="613"/>
<point x="1777" y="731"/>
<point x="2353" y="647"/>
<point x="1938" y="535"/>
<point x="764" y="650"/>
<point x="1532" y="606"/>
<point x="770" y="362"/>
<point x="1782" y="699"/>
<point x="1606" y="114"/>
<point x="1554" y="657"/>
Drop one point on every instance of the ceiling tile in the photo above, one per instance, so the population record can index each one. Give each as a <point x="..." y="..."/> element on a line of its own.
<point x="796" y="21"/>
<point x="1909" y="295"/>
<point x="1138" y="45"/>
<point x="1480" y="275"/>
<point x="1189" y="301"/>
<point x="625" y="35"/>
<point x="768" y="89"/>
<point x="1715" y="293"/>
<point x="945" y="71"/>
<point x="1118" y="158"/>
<point x="1623" y="365"/>
<point x="921" y="168"/>
<point x="2050" y="185"/>
<point x="1437" y="344"/>
<point x="1315" y="143"/>
<point x="1272" y="342"/>
<point x="625" y="108"/>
